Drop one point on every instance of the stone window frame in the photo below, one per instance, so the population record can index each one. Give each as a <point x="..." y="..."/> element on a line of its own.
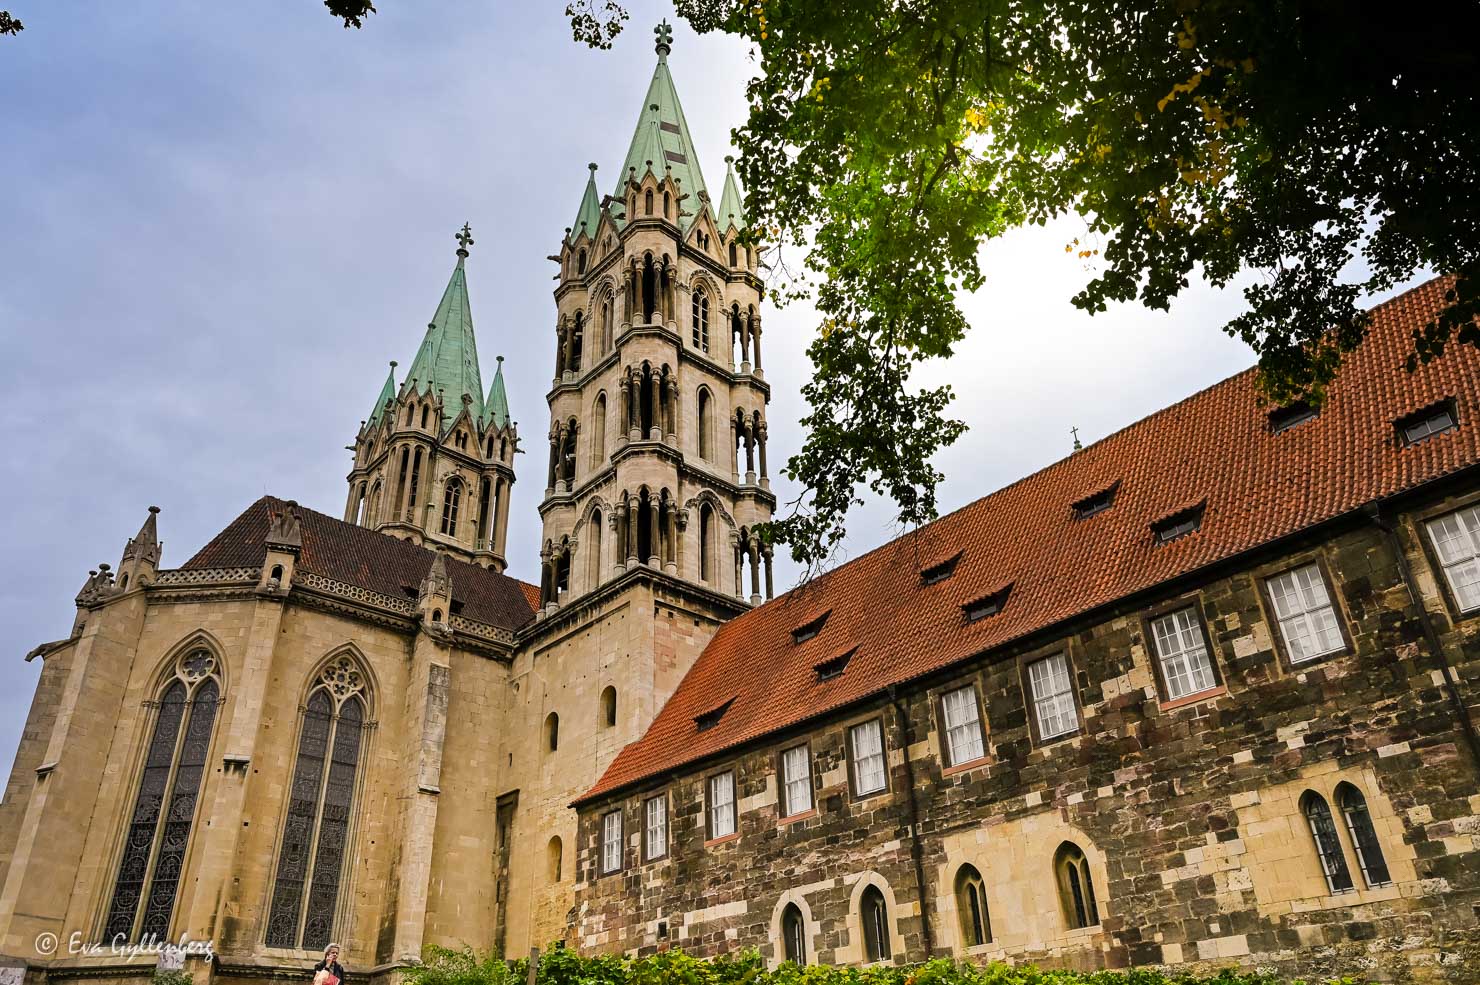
<point x="1270" y="615"/>
<point x="667" y="827"/>
<point x="856" y="948"/>
<point x="876" y="715"/>
<point x="810" y="929"/>
<point x="1418" y="526"/>
<point x="709" y="836"/>
<point x="784" y="814"/>
<point x="1069" y="648"/>
<point x="601" y="869"/>
<point x="942" y="741"/>
<point x="1149" y="616"/>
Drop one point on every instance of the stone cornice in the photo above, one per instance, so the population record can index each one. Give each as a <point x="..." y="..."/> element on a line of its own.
<point x="675" y="590"/>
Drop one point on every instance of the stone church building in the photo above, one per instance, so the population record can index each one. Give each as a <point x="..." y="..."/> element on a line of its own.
<point x="1203" y="693"/>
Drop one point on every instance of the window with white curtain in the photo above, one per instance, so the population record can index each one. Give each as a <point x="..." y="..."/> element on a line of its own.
<point x="1186" y="667"/>
<point x="611" y="841"/>
<point x="1053" y="696"/>
<point x="721" y="805"/>
<point x="1303" y="609"/>
<point x="866" y="747"/>
<point x="655" y="826"/>
<point x="963" y="726"/>
<point x="1456" y="538"/>
<point x="796" y="781"/>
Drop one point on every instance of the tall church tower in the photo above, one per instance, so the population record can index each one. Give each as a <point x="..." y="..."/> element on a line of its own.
<point x="658" y="404"/>
<point x="434" y="462"/>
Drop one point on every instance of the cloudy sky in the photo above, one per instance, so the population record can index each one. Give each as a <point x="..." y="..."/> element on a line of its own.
<point x="219" y="221"/>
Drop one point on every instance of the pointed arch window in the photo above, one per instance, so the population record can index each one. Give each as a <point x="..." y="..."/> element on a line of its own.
<point x="451" y="500"/>
<point x="1328" y="846"/>
<point x="734" y="255"/>
<point x="164" y="808"/>
<point x="874" y="911"/>
<point x="706" y="424"/>
<point x="316" y="834"/>
<point x="701" y="321"/>
<point x="793" y="934"/>
<point x="1364" y="836"/>
<point x="647" y="201"/>
<point x="971" y="906"/>
<point x="1076" y="887"/>
<point x="706" y="543"/>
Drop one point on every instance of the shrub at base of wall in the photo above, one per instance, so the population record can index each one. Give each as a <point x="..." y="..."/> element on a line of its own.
<point x="560" y="966"/>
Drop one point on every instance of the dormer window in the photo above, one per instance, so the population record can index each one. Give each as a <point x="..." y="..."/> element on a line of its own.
<point x="1179" y="524"/>
<point x="1290" y="415"/>
<point x="987" y="605"/>
<point x="833" y="668"/>
<point x="711" y="718"/>
<point x="808" y="630"/>
<point x="1095" y="502"/>
<point x="937" y="573"/>
<point x="1424" y="424"/>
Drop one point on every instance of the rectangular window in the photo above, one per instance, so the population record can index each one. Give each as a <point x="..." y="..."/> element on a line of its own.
<point x="866" y="747"/>
<point x="1456" y="538"/>
<point x="1305" y="614"/>
<point x="796" y="781"/>
<point x="1053" y="696"/>
<point x="721" y="805"/>
<point x="1427" y="422"/>
<point x="1186" y="667"/>
<point x="611" y="842"/>
<point x="655" y="827"/>
<point x="963" y="726"/>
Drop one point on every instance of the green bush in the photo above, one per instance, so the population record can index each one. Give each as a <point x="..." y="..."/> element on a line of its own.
<point x="172" y="978"/>
<point x="560" y="966"/>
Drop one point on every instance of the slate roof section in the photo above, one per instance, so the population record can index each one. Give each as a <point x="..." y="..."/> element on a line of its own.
<point x="1214" y="446"/>
<point x="366" y="559"/>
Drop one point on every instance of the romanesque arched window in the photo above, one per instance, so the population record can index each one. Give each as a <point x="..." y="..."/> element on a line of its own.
<point x="451" y="500"/>
<point x="793" y="934"/>
<point x="425" y="415"/>
<point x="608" y="707"/>
<point x="1364" y="836"/>
<point x="647" y="201"/>
<point x="552" y="732"/>
<point x="164" y="807"/>
<point x="1076" y="887"/>
<point x="581" y="261"/>
<point x="553" y="859"/>
<point x="667" y="204"/>
<point x="700" y="307"/>
<point x="971" y="907"/>
<point x="316" y="833"/>
<point x="734" y="255"/>
<point x="1328" y="846"/>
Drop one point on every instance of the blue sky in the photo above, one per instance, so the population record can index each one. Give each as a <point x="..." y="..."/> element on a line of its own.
<point x="219" y="221"/>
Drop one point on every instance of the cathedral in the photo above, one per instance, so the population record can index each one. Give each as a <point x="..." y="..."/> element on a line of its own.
<point x="1202" y="694"/>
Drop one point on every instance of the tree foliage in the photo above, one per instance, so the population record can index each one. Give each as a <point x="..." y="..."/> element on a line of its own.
<point x="1328" y="147"/>
<point x="9" y="25"/>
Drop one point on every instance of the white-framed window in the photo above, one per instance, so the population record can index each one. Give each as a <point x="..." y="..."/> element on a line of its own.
<point x="963" y="726"/>
<point x="1186" y="667"/>
<point x="655" y="826"/>
<point x="866" y="746"/>
<point x="1303" y="608"/>
<point x="1456" y="538"/>
<point x="796" y="781"/>
<point x="1053" y="696"/>
<point x="611" y="841"/>
<point x="721" y="805"/>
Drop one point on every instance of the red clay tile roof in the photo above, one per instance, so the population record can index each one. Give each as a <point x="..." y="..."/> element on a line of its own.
<point x="1215" y="446"/>
<point x="366" y="559"/>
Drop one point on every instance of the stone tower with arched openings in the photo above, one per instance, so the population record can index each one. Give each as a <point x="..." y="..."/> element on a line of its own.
<point x="657" y="463"/>
<point x="434" y="462"/>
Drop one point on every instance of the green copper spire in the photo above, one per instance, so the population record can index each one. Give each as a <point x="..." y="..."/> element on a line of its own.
<point x="589" y="214"/>
<point x="662" y="136"/>
<point x="731" y="202"/>
<point x="498" y="400"/>
<point x="387" y="392"/>
<point x="448" y="357"/>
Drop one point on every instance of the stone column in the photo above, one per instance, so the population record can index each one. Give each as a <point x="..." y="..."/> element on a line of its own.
<point x="545" y="579"/>
<point x="554" y="455"/>
<point x="761" y="439"/>
<point x="670" y="390"/>
<point x="655" y="390"/>
<point x="501" y="521"/>
<point x="619" y="546"/>
<point x="655" y="532"/>
<point x="755" y="571"/>
<point x="680" y="531"/>
<point x="739" y="547"/>
<point x="749" y="452"/>
<point x="634" y="423"/>
<point x="560" y="349"/>
<point x="755" y="333"/>
<point x="625" y="416"/>
<point x="734" y="452"/>
<point x="670" y="531"/>
<point x="744" y="327"/>
<point x="632" y="506"/>
<point x="770" y="586"/>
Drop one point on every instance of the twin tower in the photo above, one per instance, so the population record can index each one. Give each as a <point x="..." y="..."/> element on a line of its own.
<point x="657" y="439"/>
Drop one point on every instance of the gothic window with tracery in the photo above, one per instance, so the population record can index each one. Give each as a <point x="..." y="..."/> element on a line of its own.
<point x="701" y="321"/>
<point x="315" y="841"/>
<point x="164" y="809"/>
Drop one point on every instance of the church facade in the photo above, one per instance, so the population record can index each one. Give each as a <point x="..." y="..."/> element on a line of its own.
<point x="362" y="730"/>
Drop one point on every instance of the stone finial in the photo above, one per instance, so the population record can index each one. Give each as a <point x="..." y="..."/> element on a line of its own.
<point x="437" y="583"/>
<point x="145" y="545"/>
<point x="284" y="532"/>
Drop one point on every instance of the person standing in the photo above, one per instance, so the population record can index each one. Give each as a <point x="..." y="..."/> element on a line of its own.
<point x="329" y="971"/>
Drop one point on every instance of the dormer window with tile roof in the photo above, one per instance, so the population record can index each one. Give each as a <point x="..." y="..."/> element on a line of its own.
<point x="809" y="630"/>
<point x="1175" y="526"/>
<point x="1096" y="502"/>
<point x="833" y="667"/>
<point x="987" y="605"/>
<point x="1286" y="417"/>
<point x="937" y="573"/>
<point x="1424" y="424"/>
<point x="710" y="719"/>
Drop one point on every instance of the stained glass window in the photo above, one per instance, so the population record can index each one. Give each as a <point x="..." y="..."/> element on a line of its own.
<point x="158" y="835"/>
<point x="315" y="842"/>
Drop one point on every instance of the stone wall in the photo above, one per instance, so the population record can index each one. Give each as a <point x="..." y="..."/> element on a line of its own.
<point x="1188" y="813"/>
